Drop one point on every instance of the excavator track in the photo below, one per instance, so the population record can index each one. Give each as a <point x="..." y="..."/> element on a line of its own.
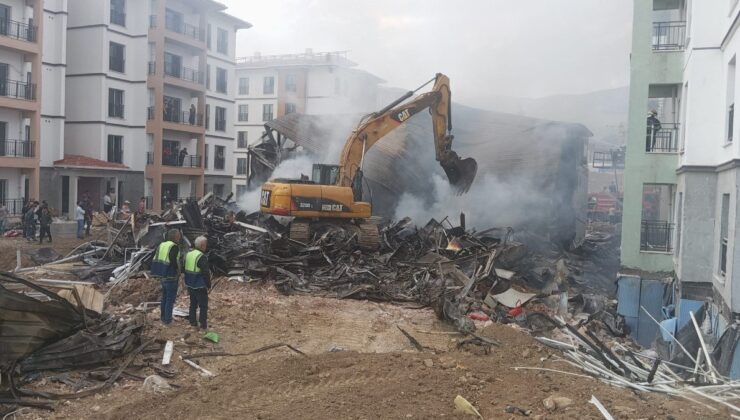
<point x="369" y="238"/>
<point x="300" y="231"/>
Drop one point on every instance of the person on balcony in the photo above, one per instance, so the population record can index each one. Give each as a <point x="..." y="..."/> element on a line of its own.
<point x="183" y="153"/>
<point x="653" y="126"/>
<point x="191" y="117"/>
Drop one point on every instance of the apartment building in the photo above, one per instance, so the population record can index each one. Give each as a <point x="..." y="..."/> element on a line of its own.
<point x="138" y="79"/>
<point x="270" y="86"/>
<point x="682" y="173"/>
<point x="30" y="123"/>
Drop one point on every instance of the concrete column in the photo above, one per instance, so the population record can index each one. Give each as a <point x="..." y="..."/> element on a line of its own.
<point x="36" y="73"/>
<point x="73" y="180"/>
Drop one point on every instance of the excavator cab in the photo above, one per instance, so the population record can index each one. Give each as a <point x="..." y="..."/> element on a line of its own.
<point x="325" y="174"/>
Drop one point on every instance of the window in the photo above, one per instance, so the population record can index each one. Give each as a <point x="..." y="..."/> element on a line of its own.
<point x="220" y="158"/>
<point x="657" y="213"/>
<point x="218" y="190"/>
<point x="118" y="12"/>
<point x="731" y="69"/>
<point x="117" y="57"/>
<point x="222" y="41"/>
<point x="115" y="149"/>
<point x="290" y="84"/>
<point x="241" y="140"/>
<point x="208" y="76"/>
<point x="172" y="65"/>
<point x="205" y="156"/>
<point x="220" y="80"/>
<point x="244" y="86"/>
<point x="173" y="21"/>
<point x="115" y="103"/>
<point x="208" y="36"/>
<point x="220" y="119"/>
<point x="289" y="108"/>
<point x="241" y="166"/>
<point x="243" y="112"/>
<point x="268" y="85"/>
<point x="240" y="191"/>
<point x="679" y="222"/>
<point x="723" y="238"/>
<point x="208" y="116"/>
<point x="266" y="112"/>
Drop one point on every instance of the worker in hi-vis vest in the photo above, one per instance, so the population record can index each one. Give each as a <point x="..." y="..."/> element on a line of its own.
<point x="198" y="281"/>
<point x="166" y="267"/>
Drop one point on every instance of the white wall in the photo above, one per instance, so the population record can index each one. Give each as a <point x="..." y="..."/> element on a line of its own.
<point x="15" y="182"/>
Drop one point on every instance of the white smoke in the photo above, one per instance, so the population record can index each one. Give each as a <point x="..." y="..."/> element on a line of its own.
<point x="291" y="168"/>
<point x="488" y="203"/>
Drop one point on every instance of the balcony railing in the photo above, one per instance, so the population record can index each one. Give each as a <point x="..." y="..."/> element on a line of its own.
<point x="13" y="205"/>
<point x="664" y="140"/>
<point x="117" y="18"/>
<point x="183" y="117"/>
<point x="115" y="110"/>
<point x="656" y="235"/>
<point x="151" y="67"/>
<point x="184" y="29"/>
<point x="149" y="158"/>
<point x="18" y="30"/>
<point x="150" y="113"/>
<point x="17" y="148"/>
<point x="669" y="36"/>
<point x="18" y="90"/>
<point x="187" y="161"/>
<point x="184" y="73"/>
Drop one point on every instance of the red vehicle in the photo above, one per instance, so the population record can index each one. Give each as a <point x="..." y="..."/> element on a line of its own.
<point x="605" y="207"/>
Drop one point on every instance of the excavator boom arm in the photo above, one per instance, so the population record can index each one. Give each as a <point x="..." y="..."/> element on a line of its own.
<point x="460" y="172"/>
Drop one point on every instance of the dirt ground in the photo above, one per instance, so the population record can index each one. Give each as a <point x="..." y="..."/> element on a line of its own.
<point x="62" y="246"/>
<point x="358" y="365"/>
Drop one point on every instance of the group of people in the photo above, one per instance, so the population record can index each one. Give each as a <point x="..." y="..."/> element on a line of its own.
<point x="169" y="263"/>
<point x="34" y="213"/>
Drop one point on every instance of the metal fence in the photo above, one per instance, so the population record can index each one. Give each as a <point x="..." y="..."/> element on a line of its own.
<point x="18" y="30"/>
<point x="656" y="235"/>
<point x="18" y="90"/>
<point x="664" y="140"/>
<point x="669" y="36"/>
<point x="183" y="117"/>
<point x="184" y="28"/>
<point x="13" y="205"/>
<point x="188" y="161"/>
<point x="17" y="148"/>
<point x="184" y="73"/>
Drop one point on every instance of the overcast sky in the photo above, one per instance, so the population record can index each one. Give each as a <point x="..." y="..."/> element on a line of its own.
<point x="520" y="48"/>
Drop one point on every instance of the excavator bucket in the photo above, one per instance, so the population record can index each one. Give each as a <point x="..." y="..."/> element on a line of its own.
<point x="460" y="172"/>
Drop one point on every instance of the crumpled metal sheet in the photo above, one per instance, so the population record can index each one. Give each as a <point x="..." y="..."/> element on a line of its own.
<point x="27" y="324"/>
<point x="89" y="347"/>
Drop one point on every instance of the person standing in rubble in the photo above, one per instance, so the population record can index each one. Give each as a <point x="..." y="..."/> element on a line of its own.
<point x="80" y="218"/>
<point x="198" y="281"/>
<point x="653" y="126"/>
<point x="165" y="266"/>
<point x="45" y="223"/>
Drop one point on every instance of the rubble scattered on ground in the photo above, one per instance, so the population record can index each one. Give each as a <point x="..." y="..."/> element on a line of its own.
<point x="470" y="278"/>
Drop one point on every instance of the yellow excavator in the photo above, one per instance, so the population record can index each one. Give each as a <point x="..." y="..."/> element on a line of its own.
<point x="334" y="193"/>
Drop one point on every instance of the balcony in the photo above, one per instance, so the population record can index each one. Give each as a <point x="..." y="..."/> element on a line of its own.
<point x="184" y="73"/>
<point x="656" y="236"/>
<point x="186" y="29"/>
<point x="669" y="36"/>
<point x="664" y="140"/>
<point x="187" y="161"/>
<point x="13" y="205"/>
<point x="17" y="30"/>
<point x="18" y="90"/>
<point x="17" y="148"/>
<point x="183" y="117"/>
